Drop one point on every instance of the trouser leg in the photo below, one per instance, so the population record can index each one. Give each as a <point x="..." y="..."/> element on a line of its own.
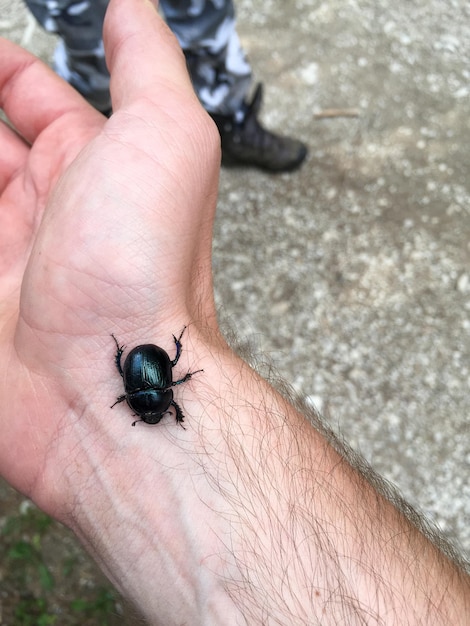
<point x="79" y="57"/>
<point x="206" y="30"/>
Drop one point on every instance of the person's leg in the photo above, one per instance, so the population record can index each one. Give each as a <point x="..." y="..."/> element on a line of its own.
<point x="222" y="76"/>
<point x="219" y="70"/>
<point x="216" y="62"/>
<point x="79" y="56"/>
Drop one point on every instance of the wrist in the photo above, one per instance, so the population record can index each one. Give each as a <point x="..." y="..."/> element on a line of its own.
<point x="139" y="498"/>
<point x="157" y="503"/>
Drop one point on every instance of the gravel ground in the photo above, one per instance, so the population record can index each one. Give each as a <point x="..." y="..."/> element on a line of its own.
<point x="353" y="274"/>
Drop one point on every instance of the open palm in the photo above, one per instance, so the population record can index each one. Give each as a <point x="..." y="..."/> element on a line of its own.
<point x="105" y="226"/>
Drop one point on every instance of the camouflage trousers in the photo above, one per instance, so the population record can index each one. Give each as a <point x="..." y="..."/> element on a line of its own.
<point x="205" y="30"/>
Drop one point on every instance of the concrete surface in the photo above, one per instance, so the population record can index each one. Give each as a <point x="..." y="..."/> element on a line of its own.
<point x="353" y="274"/>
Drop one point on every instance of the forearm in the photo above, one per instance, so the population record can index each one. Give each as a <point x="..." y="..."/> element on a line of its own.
<point x="250" y="516"/>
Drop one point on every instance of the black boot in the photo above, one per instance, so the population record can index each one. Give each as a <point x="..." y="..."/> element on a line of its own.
<point x="248" y="143"/>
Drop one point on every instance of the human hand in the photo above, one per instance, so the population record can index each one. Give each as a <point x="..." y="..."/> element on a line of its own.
<point x="105" y="226"/>
<point x="249" y="515"/>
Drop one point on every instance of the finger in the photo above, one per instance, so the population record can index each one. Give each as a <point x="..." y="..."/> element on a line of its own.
<point x="143" y="56"/>
<point x="13" y="154"/>
<point x="31" y="94"/>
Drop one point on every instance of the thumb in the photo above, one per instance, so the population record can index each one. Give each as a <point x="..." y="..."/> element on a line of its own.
<point x="143" y="56"/>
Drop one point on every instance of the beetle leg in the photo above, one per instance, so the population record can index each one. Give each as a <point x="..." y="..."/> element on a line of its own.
<point x="117" y="358"/>
<point x="185" y="378"/>
<point x="179" y="346"/>
<point x="179" y="413"/>
<point x="120" y="399"/>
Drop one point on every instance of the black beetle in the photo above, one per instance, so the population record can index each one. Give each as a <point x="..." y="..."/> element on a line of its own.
<point x="148" y="381"/>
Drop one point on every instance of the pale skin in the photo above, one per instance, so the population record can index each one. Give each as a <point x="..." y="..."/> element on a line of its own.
<point x="249" y="516"/>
